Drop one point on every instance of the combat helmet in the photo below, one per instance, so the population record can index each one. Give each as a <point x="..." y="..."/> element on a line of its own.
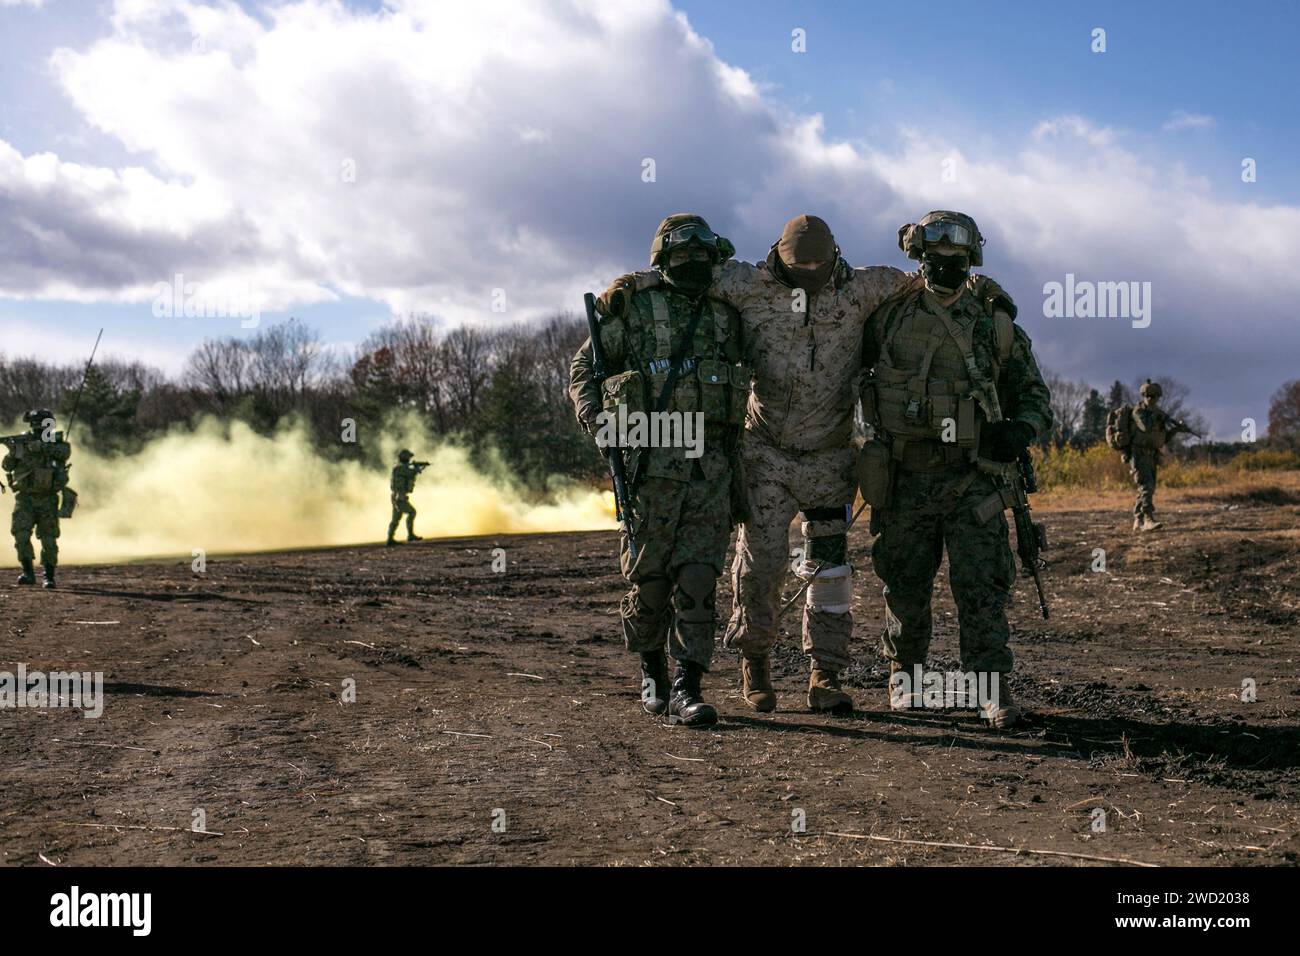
<point x="37" y="418"/>
<point x="682" y="228"/>
<point x="1151" y="389"/>
<point x="957" y="227"/>
<point x="405" y="455"/>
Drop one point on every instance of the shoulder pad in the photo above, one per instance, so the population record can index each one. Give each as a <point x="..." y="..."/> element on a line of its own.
<point x="994" y="296"/>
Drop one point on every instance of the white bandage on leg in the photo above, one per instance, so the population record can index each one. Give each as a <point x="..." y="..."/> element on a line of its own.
<point x="832" y="590"/>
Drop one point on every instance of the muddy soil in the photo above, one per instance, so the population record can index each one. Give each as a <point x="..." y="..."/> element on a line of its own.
<point x="495" y="718"/>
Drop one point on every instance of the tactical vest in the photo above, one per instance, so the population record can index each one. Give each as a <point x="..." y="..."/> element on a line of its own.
<point x="708" y="381"/>
<point x="39" y="467"/>
<point x="403" y="480"/>
<point x="1148" y="428"/>
<point x="931" y="378"/>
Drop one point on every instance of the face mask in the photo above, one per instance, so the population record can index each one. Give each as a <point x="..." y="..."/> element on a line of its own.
<point x="945" y="273"/>
<point x="810" y="280"/>
<point x="691" y="277"/>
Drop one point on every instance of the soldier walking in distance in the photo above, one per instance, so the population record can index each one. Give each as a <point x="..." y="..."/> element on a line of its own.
<point x="1139" y="433"/>
<point x="36" y="468"/>
<point x="402" y="485"/>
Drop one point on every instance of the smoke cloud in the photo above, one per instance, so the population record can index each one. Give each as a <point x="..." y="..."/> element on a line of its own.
<point x="224" y="488"/>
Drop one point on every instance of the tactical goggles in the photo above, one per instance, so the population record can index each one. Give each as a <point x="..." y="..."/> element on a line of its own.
<point x="690" y="231"/>
<point x="954" y="232"/>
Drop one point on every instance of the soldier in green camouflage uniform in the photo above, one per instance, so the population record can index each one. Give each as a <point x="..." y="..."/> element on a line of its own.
<point x="954" y="394"/>
<point x="1151" y="430"/>
<point x="402" y="485"/>
<point x="682" y="502"/>
<point x="36" y="468"/>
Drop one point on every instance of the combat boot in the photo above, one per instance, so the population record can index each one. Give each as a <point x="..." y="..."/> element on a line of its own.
<point x="902" y="695"/>
<point x="412" y="536"/>
<point x="1137" y="523"/>
<point x="824" y="693"/>
<point x="1149" y="523"/>
<point x="391" y="542"/>
<point x="49" y="577"/>
<point x="687" y="705"/>
<point x="29" y="573"/>
<point x="756" y="680"/>
<point x="1005" y="713"/>
<point x="654" y="682"/>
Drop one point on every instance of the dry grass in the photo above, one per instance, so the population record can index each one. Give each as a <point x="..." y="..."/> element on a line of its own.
<point x="1097" y="478"/>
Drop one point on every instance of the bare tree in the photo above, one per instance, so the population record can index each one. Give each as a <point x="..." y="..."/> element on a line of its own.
<point x="1068" y="399"/>
<point x="468" y="362"/>
<point x="1284" y="415"/>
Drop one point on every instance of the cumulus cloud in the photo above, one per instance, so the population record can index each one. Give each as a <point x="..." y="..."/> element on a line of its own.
<point x="427" y="155"/>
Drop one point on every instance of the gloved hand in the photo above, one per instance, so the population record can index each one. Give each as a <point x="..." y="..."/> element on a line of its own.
<point x="1007" y="439"/>
<point x="613" y="301"/>
<point x="587" y="418"/>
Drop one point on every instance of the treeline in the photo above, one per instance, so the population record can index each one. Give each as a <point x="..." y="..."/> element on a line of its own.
<point x="501" y="393"/>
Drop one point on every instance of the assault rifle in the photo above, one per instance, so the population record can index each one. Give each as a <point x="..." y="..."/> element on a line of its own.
<point x="1031" y="536"/>
<point x="1015" y="482"/>
<point x="1176" y="426"/>
<point x="9" y="441"/>
<point x="613" y="456"/>
<point x="419" y="466"/>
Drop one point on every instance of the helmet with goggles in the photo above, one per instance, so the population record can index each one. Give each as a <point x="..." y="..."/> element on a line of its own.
<point x="684" y="229"/>
<point x="955" y="228"/>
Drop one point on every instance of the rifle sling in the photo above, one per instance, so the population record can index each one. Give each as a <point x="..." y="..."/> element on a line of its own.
<point x="679" y="356"/>
<point x="665" y="394"/>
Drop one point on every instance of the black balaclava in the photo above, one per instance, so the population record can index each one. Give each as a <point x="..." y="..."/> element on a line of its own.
<point x="692" y="277"/>
<point x="945" y="274"/>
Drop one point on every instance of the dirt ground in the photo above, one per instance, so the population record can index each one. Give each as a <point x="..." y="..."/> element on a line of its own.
<point x="496" y="717"/>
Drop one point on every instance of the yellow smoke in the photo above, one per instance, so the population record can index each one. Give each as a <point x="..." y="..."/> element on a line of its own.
<point x="224" y="488"/>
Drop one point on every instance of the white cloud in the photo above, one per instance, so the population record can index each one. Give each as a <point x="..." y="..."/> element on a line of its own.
<point x="1181" y="120"/>
<point x="501" y="146"/>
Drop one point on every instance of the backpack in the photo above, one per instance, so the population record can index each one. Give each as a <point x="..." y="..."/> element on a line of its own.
<point x="1119" y="428"/>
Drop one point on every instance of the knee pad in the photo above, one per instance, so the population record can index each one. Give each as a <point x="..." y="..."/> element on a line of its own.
<point x="825" y="534"/>
<point x="648" y="597"/>
<point x="693" y="598"/>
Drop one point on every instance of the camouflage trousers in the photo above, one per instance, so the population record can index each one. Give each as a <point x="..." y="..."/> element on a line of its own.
<point x="928" y="514"/>
<point x="681" y="530"/>
<point x="39" y="512"/>
<point x="780" y="484"/>
<point x="1142" y="466"/>
<point x="402" y="506"/>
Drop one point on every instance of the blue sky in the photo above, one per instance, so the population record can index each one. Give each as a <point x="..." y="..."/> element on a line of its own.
<point x="499" y="148"/>
<point x="990" y="67"/>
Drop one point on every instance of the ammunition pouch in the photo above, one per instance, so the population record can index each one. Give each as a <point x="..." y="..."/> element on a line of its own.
<point x="913" y="410"/>
<point x="1005" y="476"/>
<point x="724" y="391"/>
<point x="715" y="383"/>
<point x="69" y="503"/>
<point x="928" y="456"/>
<point x="741" y="377"/>
<point x="875" y="474"/>
<point x="627" y="389"/>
